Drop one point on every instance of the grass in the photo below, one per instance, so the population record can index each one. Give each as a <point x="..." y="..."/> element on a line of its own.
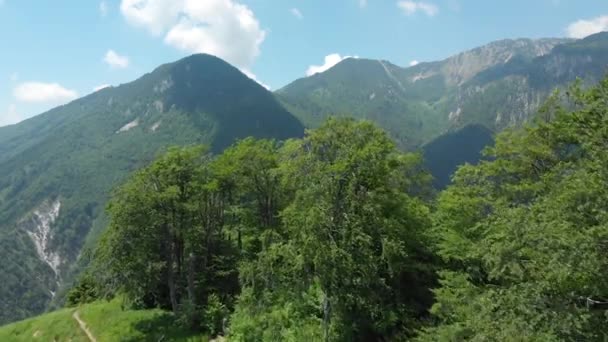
<point x="55" y="326"/>
<point x="107" y="321"/>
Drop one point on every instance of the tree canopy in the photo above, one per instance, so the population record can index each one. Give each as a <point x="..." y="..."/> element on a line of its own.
<point x="337" y="236"/>
<point x="525" y="234"/>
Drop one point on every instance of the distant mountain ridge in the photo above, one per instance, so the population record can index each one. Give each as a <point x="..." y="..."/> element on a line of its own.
<point x="58" y="168"/>
<point x="497" y="85"/>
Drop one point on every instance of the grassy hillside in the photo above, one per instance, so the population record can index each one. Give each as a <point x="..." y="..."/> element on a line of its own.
<point x="58" y="325"/>
<point x="106" y="321"/>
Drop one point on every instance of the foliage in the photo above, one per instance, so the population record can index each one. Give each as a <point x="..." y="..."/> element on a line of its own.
<point x="77" y="153"/>
<point x="165" y="245"/>
<point x="525" y="234"/>
<point x="296" y="217"/>
<point x="352" y="236"/>
<point x="86" y="290"/>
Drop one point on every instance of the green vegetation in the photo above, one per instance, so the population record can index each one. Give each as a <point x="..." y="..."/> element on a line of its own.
<point x="58" y="325"/>
<point x="76" y="154"/>
<point x="334" y="236"/>
<point x="524" y="234"/>
<point x="412" y="112"/>
<point x="342" y="254"/>
<point x="337" y="237"/>
<point x="267" y="231"/>
<point x="110" y="321"/>
<point x="498" y="85"/>
<point x="107" y="321"/>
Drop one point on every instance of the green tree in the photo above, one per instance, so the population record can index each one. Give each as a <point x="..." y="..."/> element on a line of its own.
<point x="248" y="171"/>
<point x="525" y="234"/>
<point x="352" y="237"/>
<point x="165" y="245"/>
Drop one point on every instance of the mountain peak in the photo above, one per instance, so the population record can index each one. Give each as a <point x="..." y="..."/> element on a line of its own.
<point x="465" y="65"/>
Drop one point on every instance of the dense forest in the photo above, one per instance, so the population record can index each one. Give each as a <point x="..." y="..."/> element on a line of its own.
<point x="338" y="236"/>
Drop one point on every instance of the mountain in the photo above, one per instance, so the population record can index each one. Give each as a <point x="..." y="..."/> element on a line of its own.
<point x="497" y="85"/>
<point x="445" y="154"/>
<point x="58" y="168"/>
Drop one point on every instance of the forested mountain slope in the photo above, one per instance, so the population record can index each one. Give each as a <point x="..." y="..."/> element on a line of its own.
<point x="497" y="85"/>
<point x="59" y="167"/>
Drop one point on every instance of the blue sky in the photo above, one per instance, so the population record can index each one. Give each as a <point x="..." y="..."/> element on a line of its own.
<point x="55" y="51"/>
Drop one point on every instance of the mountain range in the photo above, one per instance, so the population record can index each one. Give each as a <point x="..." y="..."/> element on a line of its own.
<point x="497" y="85"/>
<point x="59" y="168"/>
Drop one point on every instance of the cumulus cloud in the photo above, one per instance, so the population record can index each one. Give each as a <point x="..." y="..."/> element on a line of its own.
<point x="154" y="15"/>
<point x="411" y="7"/>
<point x="99" y="87"/>
<point x="224" y="28"/>
<point x="43" y="92"/>
<point x="414" y="63"/>
<point x="115" y="60"/>
<point x="584" y="28"/>
<point x="103" y="8"/>
<point x="10" y="116"/>
<point x="296" y="13"/>
<point x="330" y="61"/>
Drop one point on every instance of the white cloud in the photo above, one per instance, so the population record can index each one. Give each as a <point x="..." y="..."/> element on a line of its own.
<point x="10" y="116"/>
<point x="154" y="15"/>
<point x="362" y="3"/>
<point x="99" y="87"/>
<point x="414" y="63"/>
<point x="296" y="13"/>
<point x="115" y="60"/>
<point x="224" y="28"/>
<point x="43" y="92"/>
<point x="411" y="7"/>
<point x="584" y="28"/>
<point x="103" y="8"/>
<point x="330" y="61"/>
<point x="14" y="77"/>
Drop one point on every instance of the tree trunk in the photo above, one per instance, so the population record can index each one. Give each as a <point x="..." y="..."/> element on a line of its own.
<point x="171" y="280"/>
<point x="191" y="277"/>
<point x="326" y="317"/>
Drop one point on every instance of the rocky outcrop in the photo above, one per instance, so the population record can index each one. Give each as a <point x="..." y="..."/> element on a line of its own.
<point x="39" y="228"/>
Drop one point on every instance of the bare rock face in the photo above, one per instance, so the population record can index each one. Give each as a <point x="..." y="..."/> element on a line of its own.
<point x="462" y="67"/>
<point x="39" y="228"/>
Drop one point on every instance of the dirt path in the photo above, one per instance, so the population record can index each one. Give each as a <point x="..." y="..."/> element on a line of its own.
<point x="83" y="327"/>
